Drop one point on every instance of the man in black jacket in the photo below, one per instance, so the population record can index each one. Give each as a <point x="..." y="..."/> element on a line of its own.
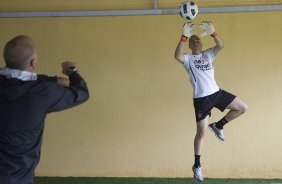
<point x="25" y="100"/>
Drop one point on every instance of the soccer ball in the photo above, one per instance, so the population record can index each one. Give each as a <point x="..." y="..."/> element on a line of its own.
<point x="188" y="10"/>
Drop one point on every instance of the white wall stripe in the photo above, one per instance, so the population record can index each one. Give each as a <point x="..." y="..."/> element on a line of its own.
<point x="137" y="12"/>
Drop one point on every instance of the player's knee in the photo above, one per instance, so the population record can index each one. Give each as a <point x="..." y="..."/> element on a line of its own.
<point x="243" y="108"/>
<point x="200" y="134"/>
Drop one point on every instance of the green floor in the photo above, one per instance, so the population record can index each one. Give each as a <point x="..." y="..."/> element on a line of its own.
<point x="84" y="180"/>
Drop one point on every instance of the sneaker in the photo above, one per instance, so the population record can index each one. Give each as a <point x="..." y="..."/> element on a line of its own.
<point x="198" y="174"/>
<point x="218" y="133"/>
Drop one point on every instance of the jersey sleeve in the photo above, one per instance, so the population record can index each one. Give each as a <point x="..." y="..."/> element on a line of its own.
<point x="210" y="53"/>
<point x="186" y="60"/>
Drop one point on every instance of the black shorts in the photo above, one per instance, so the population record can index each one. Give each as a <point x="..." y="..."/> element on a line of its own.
<point x="204" y="105"/>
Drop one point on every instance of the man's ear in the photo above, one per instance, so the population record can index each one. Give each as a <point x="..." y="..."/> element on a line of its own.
<point x="33" y="63"/>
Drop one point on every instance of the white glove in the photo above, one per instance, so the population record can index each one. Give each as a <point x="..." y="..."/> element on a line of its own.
<point x="188" y="29"/>
<point x="207" y="27"/>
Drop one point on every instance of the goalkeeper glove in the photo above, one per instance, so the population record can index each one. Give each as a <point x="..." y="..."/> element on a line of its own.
<point x="187" y="31"/>
<point x="208" y="29"/>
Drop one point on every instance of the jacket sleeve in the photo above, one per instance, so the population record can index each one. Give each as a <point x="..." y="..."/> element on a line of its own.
<point x="62" y="98"/>
<point x="47" y="78"/>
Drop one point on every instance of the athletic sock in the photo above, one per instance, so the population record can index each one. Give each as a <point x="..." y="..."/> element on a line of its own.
<point x="221" y="123"/>
<point x="197" y="161"/>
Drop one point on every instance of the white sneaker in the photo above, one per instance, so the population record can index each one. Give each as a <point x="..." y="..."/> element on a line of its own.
<point x="198" y="174"/>
<point x="218" y="133"/>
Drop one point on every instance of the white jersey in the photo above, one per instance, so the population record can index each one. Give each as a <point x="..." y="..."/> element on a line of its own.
<point x="201" y="73"/>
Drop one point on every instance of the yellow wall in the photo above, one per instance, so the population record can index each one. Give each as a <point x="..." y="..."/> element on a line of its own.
<point x="140" y="119"/>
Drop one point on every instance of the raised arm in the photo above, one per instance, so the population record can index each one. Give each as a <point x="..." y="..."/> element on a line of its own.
<point x="188" y="29"/>
<point x="218" y="44"/>
<point x="208" y="29"/>
<point x="67" y="96"/>
<point x="179" y="55"/>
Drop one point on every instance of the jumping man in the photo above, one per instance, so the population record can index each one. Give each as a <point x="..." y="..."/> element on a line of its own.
<point x="206" y="93"/>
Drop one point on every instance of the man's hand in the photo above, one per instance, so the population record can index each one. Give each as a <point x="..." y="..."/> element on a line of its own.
<point x="187" y="31"/>
<point x="66" y="67"/>
<point x="208" y="29"/>
<point x="65" y="82"/>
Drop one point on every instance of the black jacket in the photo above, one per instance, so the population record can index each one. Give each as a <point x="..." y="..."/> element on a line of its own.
<point x="23" y="108"/>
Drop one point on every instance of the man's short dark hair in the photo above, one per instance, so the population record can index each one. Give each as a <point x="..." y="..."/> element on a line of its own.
<point x="18" y="52"/>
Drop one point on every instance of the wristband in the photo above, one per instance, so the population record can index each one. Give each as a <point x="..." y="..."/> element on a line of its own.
<point x="214" y="34"/>
<point x="71" y="70"/>
<point x="184" y="38"/>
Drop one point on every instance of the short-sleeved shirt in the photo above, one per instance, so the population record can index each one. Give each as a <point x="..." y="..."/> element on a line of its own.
<point x="201" y="73"/>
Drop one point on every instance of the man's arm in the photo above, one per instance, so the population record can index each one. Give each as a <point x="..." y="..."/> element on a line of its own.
<point x="218" y="45"/>
<point x="187" y="31"/>
<point x="63" y="81"/>
<point x="64" y="97"/>
<point x="179" y="55"/>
